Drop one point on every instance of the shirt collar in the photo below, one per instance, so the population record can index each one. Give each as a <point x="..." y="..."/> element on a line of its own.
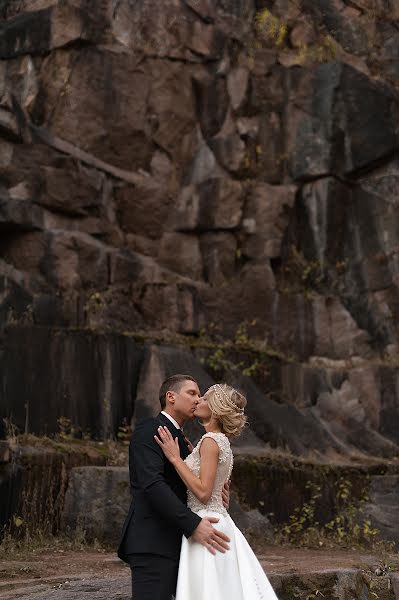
<point x="171" y="419"/>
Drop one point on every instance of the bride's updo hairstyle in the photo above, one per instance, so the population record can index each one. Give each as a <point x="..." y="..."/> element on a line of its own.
<point x="227" y="404"/>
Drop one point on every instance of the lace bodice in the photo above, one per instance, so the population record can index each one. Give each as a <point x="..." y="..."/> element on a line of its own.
<point x="224" y="468"/>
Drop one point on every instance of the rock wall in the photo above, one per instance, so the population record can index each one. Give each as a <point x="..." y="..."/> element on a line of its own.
<point x="265" y="493"/>
<point x="166" y="169"/>
<point x="33" y="481"/>
<point x="88" y="379"/>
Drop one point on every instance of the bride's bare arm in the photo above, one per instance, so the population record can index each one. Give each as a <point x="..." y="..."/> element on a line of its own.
<point x="201" y="486"/>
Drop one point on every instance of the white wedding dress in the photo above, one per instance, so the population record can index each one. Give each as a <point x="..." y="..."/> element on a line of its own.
<point x="235" y="575"/>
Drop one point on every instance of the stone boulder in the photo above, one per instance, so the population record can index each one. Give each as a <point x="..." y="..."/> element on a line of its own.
<point x="262" y="487"/>
<point x="96" y="502"/>
<point x="382" y="507"/>
<point x="98" y="498"/>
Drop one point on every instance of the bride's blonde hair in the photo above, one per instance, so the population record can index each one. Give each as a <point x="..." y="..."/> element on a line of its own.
<point x="227" y="404"/>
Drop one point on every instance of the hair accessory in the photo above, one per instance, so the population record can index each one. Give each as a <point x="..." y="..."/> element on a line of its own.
<point x="223" y="397"/>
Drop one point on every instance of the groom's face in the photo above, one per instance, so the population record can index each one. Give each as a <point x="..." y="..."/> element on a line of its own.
<point x="186" y="400"/>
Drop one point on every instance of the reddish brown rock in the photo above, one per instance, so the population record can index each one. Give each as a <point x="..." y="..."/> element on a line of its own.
<point x="316" y="146"/>
<point x="163" y="169"/>
<point x="52" y="25"/>
<point x="175" y="307"/>
<point x="25" y="252"/>
<point x="302" y="34"/>
<point x="237" y="85"/>
<point x="336" y="333"/>
<point x="204" y="8"/>
<point x="265" y="218"/>
<point x="228" y="146"/>
<point x="213" y="103"/>
<point x="180" y="252"/>
<point x="220" y="255"/>
<point x="90" y="113"/>
<point x="143" y="210"/>
<point x="214" y="204"/>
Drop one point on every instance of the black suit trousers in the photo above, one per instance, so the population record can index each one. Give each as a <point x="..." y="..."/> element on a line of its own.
<point x="153" y="577"/>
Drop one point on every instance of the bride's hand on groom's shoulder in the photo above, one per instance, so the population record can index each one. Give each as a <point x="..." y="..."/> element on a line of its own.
<point x="170" y="446"/>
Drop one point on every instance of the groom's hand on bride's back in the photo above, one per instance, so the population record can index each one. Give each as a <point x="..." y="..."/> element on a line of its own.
<point x="189" y="444"/>
<point x="211" y="538"/>
<point x="226" y="495"/>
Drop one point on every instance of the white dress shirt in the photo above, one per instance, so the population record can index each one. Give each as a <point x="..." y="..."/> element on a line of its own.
<point x="171" y="419"/>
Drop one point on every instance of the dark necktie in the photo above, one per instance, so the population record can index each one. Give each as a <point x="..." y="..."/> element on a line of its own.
<point x="183" y="442"/>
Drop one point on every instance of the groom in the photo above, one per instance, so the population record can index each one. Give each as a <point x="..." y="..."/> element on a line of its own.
<point x="158" y="515"/>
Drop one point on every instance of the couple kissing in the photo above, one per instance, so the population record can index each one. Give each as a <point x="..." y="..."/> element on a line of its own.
<point x="178" y="537"/>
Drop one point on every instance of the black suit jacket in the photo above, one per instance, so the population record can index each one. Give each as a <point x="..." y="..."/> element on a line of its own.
<point x="158" y="514"/>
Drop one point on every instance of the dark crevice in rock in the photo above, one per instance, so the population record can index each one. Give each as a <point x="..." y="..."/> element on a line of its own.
<point x="311" y="178"/>
<point x="26" y="33"/>
<point x="73" y="216"/>
<point x="45" y="136"/>
<point x="276" y="264"/>
<point x="373" y="166"/>
<point x="78" y="44"/>
<point x="358" y="306"/>
<point x="203" y="14"/>
<point x="177" y="59"/>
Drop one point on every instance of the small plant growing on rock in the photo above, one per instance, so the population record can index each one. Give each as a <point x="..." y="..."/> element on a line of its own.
<point x="11" y="430"/>
<point x="242" y="336"/>
<point x="124" y="432"/>
<point x="272" y="32"/>
<point x="65" y="428"/>
<point x="311" y="275"/>
<point x="302" y="521"/>
<point x="243" y="353"/>
<point x="25" y="317"/>
<point x="347" y="528"/>
<point x="218" y="362"/>
<point x="315" y="594"/>
<point x="269" y="28"/>
<point x="324" y="51"/>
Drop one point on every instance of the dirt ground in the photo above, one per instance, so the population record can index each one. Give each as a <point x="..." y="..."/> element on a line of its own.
<point x="54" y="568"/>
<point x="38" y="574"/>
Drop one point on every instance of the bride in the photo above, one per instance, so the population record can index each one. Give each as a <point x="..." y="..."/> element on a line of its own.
<point x="203" y="575"/>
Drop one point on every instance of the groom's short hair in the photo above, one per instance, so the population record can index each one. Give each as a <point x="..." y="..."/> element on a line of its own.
<point x="172" y="384"/>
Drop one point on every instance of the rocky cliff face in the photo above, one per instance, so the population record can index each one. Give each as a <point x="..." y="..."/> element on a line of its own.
<point x="168" y="167"/>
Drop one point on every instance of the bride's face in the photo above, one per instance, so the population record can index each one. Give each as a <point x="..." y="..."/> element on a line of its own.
<point x="202" y="410"/>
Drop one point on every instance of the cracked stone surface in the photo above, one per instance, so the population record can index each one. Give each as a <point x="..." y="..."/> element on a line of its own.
<point x="337" y="574"/>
